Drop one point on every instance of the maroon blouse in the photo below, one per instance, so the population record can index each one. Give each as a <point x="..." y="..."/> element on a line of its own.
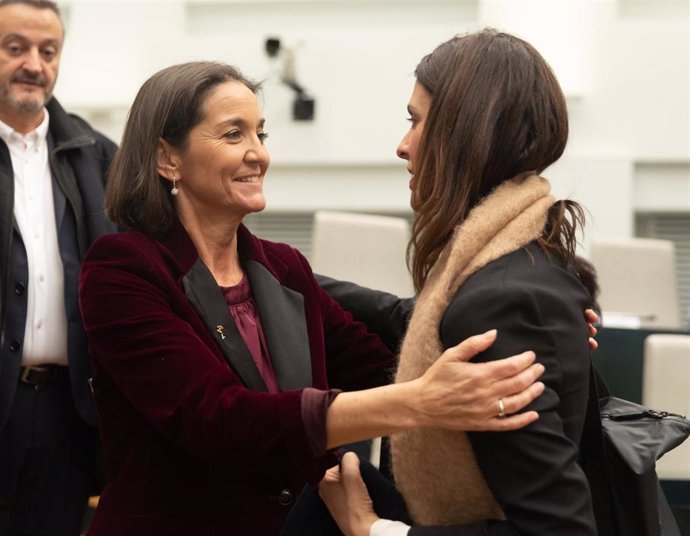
<point x="241" y="304"/>
<point x="315" y="402"/>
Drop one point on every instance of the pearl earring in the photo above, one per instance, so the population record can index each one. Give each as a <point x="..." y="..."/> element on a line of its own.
<point x="174" y="190"/>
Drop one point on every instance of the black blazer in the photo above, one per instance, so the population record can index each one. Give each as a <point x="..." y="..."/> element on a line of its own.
<point x="535" y="304"/>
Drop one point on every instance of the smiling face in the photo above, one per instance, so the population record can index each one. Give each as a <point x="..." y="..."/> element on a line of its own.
<point x="220" y="170"/>
<point x="30" y="46"/>
<point x="418" y="108"/>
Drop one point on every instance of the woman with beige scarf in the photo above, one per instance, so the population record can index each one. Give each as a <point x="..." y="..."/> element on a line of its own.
<point x="490" y="248"/>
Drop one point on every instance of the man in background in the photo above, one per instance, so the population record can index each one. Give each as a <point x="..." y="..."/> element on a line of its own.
<point x="52" y="173"/>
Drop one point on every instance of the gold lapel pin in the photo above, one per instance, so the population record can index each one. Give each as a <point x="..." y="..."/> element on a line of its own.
<point x="220" y="329"/>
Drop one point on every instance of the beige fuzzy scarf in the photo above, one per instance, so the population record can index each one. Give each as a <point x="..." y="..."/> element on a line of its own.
<point x="435" y="469"/>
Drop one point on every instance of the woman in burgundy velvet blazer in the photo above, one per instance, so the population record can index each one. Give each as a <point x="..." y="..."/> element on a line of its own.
<point x="213" y="418"/>
<point x="183" y="439"/>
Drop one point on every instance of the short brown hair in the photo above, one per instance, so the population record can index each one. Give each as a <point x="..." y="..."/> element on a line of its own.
<point x="168" y="106"/>
<point x="39" y="4"/>
<point x="496" y="111"/>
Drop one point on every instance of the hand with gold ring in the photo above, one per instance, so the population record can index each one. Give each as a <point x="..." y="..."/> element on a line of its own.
<point x="453" y="393"/>
<point x="457" y="394"/>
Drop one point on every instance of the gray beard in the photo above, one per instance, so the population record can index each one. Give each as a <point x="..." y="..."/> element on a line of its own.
<point x="29" y="108"/>
<point x="24" y="106"/>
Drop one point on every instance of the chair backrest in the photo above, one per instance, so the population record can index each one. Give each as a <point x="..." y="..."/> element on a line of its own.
<point x="637" y="277"/>
<point x="666" y="387"/>
<point x="365" y="249"/>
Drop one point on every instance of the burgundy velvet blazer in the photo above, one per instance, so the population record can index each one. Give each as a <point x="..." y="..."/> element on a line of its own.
<point x="193" y="442"/>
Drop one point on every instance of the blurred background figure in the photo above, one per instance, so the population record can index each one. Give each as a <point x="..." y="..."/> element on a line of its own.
<point x="52" y="172"/>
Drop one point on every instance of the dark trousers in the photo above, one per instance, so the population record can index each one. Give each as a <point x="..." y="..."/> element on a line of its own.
<point x="46" y="462"/>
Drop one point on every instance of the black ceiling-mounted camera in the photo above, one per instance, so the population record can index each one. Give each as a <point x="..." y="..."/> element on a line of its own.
<point x="303" y="105"/>
<point x="272" y="46"/>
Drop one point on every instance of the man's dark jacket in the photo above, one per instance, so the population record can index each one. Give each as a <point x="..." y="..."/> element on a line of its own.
<point x="79" y="159"/>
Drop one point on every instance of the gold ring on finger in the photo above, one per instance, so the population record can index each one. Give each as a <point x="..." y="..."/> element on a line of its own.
<point x="501" y="409"/>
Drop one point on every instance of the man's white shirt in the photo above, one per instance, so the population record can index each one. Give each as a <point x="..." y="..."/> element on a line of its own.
<point x="45" y="338"/>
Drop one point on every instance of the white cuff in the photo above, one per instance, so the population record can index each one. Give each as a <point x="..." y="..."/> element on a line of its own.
<point x="386" y="527"/>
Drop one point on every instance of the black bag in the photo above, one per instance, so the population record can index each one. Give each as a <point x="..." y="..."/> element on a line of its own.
<point x="621" y="443"/>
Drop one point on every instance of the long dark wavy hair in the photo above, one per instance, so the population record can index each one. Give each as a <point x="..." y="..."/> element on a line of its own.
<point x="496" y="110"/>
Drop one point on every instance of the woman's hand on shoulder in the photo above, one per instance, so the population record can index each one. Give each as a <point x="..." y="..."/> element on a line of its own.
<point x="456" y="394"/>
<point x="592" y="318"/>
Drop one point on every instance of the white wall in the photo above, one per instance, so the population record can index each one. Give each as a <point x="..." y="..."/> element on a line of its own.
<point x="624" y="65"/>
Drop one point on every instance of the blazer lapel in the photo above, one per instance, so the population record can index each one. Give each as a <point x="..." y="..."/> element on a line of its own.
<point x="7" y="225"/>
<point x="285" y="327"/>
<point x="202" y="290"/>
<point x="65" y="181"/>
